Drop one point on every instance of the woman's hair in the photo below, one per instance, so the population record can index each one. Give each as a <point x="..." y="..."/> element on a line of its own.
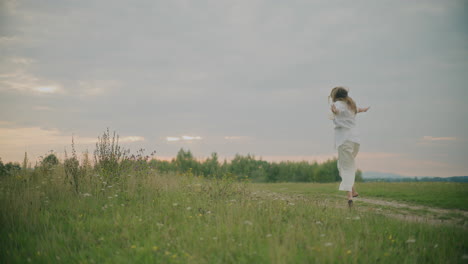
<point x="341" y="94"/>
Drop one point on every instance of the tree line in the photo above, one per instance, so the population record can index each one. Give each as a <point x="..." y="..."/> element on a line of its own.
<point x="247" y="166"/>
<point x="112" y="161"/>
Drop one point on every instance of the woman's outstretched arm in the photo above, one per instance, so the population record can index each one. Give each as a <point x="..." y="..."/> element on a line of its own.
<point x="361" y="110"/>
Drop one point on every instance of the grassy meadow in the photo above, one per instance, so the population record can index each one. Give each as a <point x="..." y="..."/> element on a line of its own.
<point x="151" y="217"/>
<point x="447" y="195"/>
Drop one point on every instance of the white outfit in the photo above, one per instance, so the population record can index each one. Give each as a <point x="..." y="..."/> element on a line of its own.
<point x="347" y="142"/>
<point x="345" y="125"/>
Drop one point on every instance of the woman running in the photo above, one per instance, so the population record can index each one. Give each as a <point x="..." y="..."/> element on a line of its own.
<point x="346" y="138"/>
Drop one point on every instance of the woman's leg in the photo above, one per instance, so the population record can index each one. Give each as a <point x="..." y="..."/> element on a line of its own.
<point x="346" y="166"/>
<point x="355" y="152"/>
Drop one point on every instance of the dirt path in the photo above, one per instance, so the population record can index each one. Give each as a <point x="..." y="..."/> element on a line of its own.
<point x="394" y="209"/>
<point x="415" y="213"/>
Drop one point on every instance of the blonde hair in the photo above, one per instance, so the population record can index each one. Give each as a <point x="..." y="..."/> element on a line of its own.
<point x="341" y="94"/>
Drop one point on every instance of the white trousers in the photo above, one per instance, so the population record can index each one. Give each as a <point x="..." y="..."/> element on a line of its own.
<point x="346" y="164"/>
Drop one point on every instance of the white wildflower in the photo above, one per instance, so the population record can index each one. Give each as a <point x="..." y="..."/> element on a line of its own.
<point x="328" y="244"/>
<point x="411" y="240"/>
<point x="247" y="222"/>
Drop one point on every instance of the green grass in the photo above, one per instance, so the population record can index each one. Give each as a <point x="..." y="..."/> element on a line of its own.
<point x="184" y="219"/>
<point x="433" y="194"/>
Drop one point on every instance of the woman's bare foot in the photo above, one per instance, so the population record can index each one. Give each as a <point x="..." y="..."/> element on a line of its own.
<point x="355" y="194"/>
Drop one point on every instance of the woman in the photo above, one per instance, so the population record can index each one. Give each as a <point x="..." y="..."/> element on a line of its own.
<point x="346" y="138"/>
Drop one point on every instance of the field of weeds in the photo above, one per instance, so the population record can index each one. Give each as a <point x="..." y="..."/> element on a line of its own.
<point x="179" y="218"/>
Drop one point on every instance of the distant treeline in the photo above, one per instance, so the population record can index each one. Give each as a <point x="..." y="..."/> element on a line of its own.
<point x="419" y="179"/>
<point x="241" y="167"/>
<point x="255" y="169"/>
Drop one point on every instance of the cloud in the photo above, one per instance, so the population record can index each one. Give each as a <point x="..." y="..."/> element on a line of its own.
<point x="430" y="138"/>
<point x="24" y="82"/>
<point x="172" y="139"/>
<point x="131" y="139"/>
<point x="97" y="87"/>
<point x="183" y="138"/>
<point x="236" y="137"/>
<point x="14" y="141"/>
<point x="298" y="158"/>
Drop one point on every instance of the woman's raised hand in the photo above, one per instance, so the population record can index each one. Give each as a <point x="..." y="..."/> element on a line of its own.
<point x="333" y="109"/>
<point x="360" y="110"/>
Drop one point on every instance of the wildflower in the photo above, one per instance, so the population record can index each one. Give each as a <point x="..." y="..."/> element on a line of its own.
<point x="268" y="235"/>
<point x="318" y="223"/>
<point x="133" y="246"/>
<point x="155" y="248"/>
<point x="247" y="222"/>
<point x="411" y="240"/>
<point x="175" y="204"/>
<point x="86" y="194"/>
<point x="167" y="253"/>
<point x="189" y="208"/>
<point x="328" y="244"/>
<point x="348" y="252"/>
<point x="356" y="218"/>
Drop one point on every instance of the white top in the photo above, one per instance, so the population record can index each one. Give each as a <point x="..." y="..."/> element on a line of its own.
<point x="345" y="124"/>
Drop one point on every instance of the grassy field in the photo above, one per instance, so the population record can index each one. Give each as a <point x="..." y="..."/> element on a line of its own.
<point x="435" y="194"/>
<point x="184" y="219"/>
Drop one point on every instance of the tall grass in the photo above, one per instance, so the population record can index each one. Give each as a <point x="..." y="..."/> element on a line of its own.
<point x="124" y="211"/>
<point x="171" y="218"/>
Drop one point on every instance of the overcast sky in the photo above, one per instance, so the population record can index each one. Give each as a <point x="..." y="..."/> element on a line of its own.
<point x="239" y="76"/>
